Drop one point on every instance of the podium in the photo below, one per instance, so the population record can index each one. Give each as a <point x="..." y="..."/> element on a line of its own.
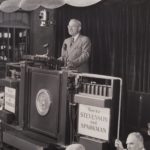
<point x="54" y="108"/>
<point x="99" y="103"/>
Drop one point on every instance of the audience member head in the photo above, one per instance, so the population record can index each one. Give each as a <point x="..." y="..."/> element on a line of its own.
<point x="75" y="147"/>
<point x="135" y="141"/>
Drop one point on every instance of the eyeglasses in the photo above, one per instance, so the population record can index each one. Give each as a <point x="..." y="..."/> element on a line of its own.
<point x="72" y="26"/>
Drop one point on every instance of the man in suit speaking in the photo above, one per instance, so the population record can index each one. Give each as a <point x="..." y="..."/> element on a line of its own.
<point x="76" y="49"/>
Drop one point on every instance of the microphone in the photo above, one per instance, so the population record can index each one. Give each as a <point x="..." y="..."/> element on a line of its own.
<point x="45" y="45"/>
<point x="47" y="50"/>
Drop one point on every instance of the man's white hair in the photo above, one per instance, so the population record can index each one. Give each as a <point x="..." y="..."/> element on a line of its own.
<point x="76" y="21"/>
<point x="139" y="137"/>
<point x="75" y="147"/>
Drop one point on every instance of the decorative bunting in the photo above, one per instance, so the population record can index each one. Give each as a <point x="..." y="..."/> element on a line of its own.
<point x="9" y="5"/>
<point x="81" y="3"/>
<point x="51" y="4"/>
<point x="28" y="5"/>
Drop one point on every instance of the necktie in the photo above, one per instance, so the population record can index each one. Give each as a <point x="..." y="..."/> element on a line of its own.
<point x="72" y="41"/>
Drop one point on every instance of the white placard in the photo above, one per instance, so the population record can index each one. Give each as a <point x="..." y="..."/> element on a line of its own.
<point x="10" y="99"/>
<point x="94" y="121"/>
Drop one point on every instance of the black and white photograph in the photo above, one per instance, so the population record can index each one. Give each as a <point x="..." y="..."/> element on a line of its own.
<point x="74" y="74"/>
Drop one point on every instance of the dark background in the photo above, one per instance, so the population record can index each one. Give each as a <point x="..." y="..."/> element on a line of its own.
<point x="120" y="35"/>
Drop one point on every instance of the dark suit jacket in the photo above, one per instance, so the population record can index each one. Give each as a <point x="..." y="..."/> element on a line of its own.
<point x="76" y="55"/>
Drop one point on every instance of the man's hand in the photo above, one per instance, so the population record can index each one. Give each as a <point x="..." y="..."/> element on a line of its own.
<point x="60" y="59"/>
<point x="118" y="145"/>
<point x="70" y="64"/>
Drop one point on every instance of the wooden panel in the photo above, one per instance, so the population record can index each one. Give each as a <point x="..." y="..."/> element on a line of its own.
<point x="138" y="110"/>
<point x="42" y="35"/>
<point x="17" y="19"/>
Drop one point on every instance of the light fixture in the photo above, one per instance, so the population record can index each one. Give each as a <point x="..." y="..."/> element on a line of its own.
<point x="28" y="5"/>
<point x="44" y="18"/>
<point x="5" y="35"/>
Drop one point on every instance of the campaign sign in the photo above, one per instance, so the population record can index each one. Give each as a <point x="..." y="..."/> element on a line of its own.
<point x="94" y="121"/>
<point x="10" y="99"/>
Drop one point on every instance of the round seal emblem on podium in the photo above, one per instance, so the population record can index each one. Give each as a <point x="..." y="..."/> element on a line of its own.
<point x="43" y="102"/>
